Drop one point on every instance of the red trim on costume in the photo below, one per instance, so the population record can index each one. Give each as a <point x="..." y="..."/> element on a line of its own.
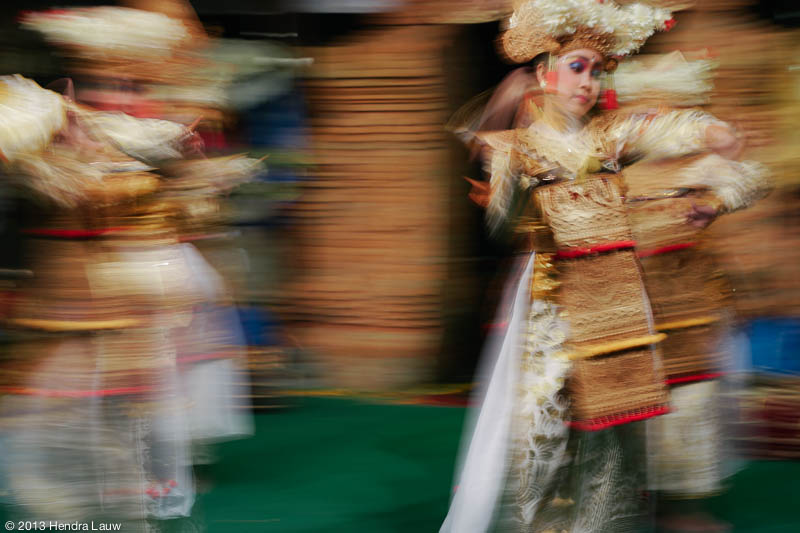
<point x="666" y="249"/>
<point x="572" y="253"/>
<point x="73" y="233"/>
<point x="119" y="391"/>
<point x="695" y="377"/>
<point x="604" y="422"/>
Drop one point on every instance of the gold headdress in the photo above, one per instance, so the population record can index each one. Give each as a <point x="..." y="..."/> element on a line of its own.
<point x="558" y="26"/>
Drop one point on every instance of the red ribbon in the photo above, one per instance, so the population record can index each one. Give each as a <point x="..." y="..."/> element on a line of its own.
<point x="572" y="253"/>
<point x="695" y="377"/>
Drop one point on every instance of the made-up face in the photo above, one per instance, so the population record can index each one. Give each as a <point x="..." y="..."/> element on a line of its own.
<point x="578" y="80"/>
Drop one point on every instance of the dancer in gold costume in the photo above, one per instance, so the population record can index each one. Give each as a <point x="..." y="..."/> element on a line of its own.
<point x="555" y="445"/>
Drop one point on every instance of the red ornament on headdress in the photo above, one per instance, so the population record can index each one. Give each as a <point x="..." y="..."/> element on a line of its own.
<point x="669" y="24"/>
<point x="608" y="99"/>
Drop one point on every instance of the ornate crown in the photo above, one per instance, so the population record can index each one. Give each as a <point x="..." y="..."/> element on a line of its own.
<point x="558" y="26"/>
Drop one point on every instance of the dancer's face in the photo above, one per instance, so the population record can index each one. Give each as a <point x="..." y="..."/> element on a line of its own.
<point x="579" y="75"/>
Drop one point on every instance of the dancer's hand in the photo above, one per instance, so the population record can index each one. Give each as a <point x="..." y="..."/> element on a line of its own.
<point x="480" y="193"/>
<point x="725" y="141"/>
<point x="701" y="216"/>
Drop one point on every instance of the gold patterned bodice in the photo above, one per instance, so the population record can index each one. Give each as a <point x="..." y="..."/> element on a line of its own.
<point x="591" y="271"/>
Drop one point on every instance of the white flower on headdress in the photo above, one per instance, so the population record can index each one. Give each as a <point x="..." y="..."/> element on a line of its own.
<point x="630" y="25"/>
<point x="557" y="19"/>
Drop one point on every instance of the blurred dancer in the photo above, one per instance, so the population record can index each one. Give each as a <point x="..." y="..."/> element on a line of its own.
<point x="100" y="411"/>
<point x="554" y="446"/>
<point x="688" y="448"/>
<point x="95" y="421"/>
<point x="151" y="49"/>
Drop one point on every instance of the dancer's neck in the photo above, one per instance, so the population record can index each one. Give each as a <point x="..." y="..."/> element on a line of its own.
<point x="560" y="120"/>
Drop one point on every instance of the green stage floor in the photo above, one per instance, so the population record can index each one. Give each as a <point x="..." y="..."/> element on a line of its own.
<point x="336" y="465"/>
<point x="331" y="465"/>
